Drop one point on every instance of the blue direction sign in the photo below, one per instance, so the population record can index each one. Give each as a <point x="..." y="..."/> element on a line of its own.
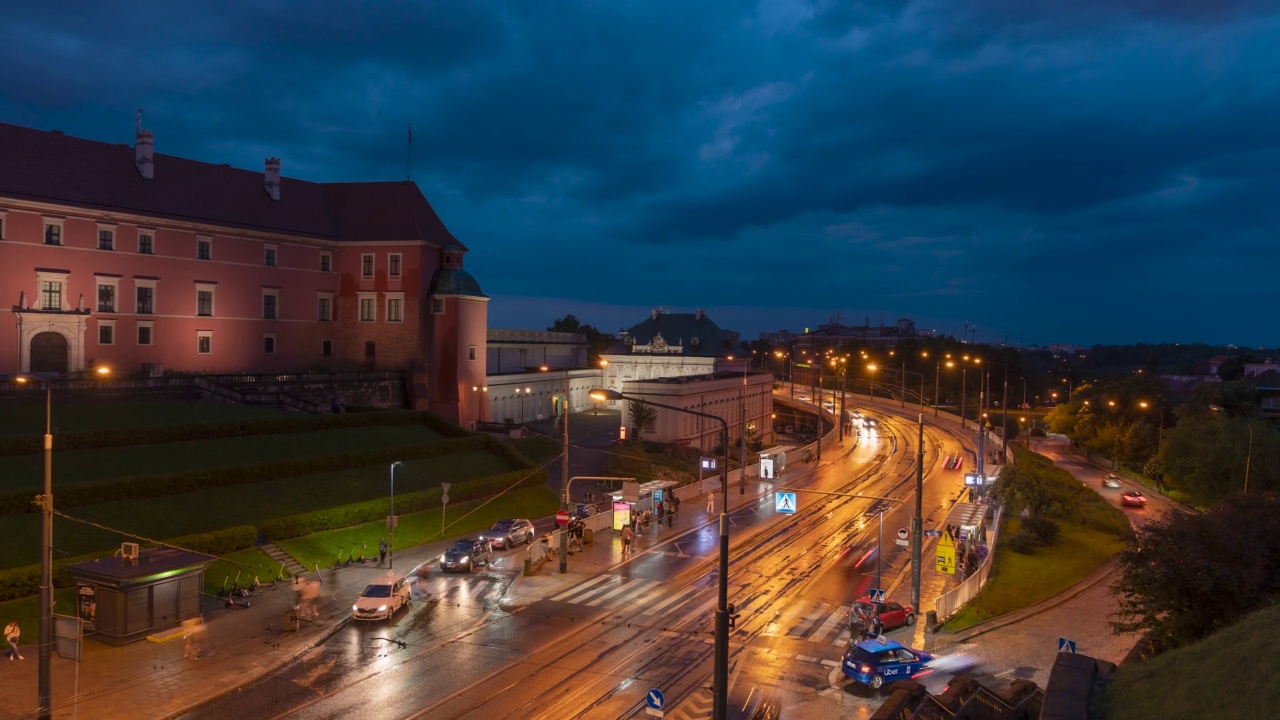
<point x="1065" y="645"/>
<point x="933" y="533"/>
<point x="784" y="502"/>
<point x="655" y="701"/>
<point x="877" y="596"/>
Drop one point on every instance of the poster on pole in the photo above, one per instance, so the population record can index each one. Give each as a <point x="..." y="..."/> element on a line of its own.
<point x="621" y="514"/>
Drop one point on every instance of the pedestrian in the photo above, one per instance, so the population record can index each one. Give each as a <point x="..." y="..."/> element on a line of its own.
<point x="11" y="635"/>
<point x="675" y="502"/>
<point x="627" y="535"/>
<point x="671" y="513"/>
<point x="307" y="599"/>
<point x="711" y="503"/>
<point x="382" y="552"/>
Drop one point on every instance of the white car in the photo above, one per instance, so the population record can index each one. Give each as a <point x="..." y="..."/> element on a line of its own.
<point x="382" y="598"/>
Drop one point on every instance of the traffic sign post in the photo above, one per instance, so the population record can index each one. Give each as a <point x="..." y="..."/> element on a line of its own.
<point x="946" y="555"/>
<point x="654" y="702"/>
<point x="876" y="595"/>
<point x="784" y="502"/>
<point x="562" y="518"/>
<point x="1065" y="645"/>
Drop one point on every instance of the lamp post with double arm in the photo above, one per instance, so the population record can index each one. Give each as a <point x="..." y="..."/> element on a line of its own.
<point x="720" y="686"/>
<point x="564" y="469"/>
<point x="45" y="500"/>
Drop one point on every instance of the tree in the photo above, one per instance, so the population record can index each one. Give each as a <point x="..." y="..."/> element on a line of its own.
<point x="1188" y="574"/>
<point x="597" y="342"/>
<point x="642" y="418"/>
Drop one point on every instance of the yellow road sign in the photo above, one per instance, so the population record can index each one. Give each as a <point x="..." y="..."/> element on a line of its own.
<point x="946" y="555"/>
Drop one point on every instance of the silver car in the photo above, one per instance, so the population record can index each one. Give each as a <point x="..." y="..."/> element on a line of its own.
<point x="509" y="532"/>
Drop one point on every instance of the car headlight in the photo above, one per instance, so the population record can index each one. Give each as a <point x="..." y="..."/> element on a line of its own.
<point x="441" y="558"/>
<point x="355" y="608"/>
<point x="382" y="608"/>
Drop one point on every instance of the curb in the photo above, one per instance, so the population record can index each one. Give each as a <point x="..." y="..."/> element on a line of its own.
<point x="1104" y="571"/>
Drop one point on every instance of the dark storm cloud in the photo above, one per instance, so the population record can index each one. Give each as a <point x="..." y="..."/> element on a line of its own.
<point x="808" y="156"/>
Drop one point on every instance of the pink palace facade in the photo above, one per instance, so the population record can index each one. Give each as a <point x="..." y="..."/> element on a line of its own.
<point x="118" y="256"/>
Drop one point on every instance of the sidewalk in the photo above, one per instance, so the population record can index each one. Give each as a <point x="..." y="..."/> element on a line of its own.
<point x="152" y="679"/>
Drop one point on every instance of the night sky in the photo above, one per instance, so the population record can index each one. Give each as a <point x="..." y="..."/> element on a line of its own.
<point x="1050" y="171"/>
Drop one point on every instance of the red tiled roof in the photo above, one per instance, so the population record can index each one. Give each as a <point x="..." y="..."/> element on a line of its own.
<point x="52" y="167"/>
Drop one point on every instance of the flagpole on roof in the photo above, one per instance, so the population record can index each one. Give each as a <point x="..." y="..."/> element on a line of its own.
<point x="408" y="152"/>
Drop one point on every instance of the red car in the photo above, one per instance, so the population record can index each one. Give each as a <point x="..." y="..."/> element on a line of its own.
<point x="1133" y="498"/>
<point x="892" y="615"/>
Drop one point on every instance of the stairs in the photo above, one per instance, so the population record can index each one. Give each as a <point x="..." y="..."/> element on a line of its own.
<point x="278" y="555"/>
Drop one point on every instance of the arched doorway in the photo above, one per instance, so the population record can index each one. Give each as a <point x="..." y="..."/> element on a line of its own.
<point x="49" y="353"/>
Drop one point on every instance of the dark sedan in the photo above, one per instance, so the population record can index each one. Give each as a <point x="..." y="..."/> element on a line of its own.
<point x="466" y="555"/>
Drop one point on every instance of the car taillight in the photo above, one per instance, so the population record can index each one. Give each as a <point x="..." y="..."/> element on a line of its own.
<point x="864" y="669"/>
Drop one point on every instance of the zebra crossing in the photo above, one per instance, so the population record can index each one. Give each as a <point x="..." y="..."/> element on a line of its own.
<point x="613" y="591"/>
<point x="824" y="623"/>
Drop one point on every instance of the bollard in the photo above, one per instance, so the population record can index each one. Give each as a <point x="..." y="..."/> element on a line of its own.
<point x="931" y="621"/>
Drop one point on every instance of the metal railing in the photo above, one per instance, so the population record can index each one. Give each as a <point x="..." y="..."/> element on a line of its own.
<point x="951" y="601"/>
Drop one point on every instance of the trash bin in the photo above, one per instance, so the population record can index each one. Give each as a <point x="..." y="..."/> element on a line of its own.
<point x="588" y="536"/>
<point x="931" y="621"/>
<point x="291" y="620"/>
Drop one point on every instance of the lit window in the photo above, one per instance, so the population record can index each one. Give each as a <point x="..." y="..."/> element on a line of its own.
<point x="204" y="342"/>
<point x="50" y="295"/>
<point x="395" y="307"/>
<point x="146" y="244"/>
<point x="393" y="265"/>
<point x="106" y="298"/>
<point x="106" y="239"/>
<point x="471" y="352"/>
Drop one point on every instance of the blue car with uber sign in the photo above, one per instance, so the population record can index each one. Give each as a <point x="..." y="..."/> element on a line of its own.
<point x="881" y="660"/>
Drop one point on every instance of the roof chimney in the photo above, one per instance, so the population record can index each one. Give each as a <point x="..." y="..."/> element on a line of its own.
<point x="144" y="154"/>
<point x="697" y="315"/>
<point x="655" y="314"/>
<point x="271" y="181"/>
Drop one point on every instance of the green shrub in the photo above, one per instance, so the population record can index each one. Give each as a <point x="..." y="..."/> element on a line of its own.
<point x="1042" y="529"/>
<point x="22" y="581"/>
<point x="150" y="486"/>
<point x="117" y="437"/>
<point x="362" y="512"/>
<point x="1023" y="542"/>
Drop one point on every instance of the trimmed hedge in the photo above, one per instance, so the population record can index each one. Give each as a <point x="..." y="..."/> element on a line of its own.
<point x="149" y="486"/>
<point x="23" y="581"/>
<point x="342" y="516"/>
<point x="118" y="437"/>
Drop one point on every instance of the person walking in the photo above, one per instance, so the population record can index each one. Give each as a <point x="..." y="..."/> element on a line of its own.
<point x="711" y="503"/>
<point x="11" y="635"/>
<point x="627" y="536"/>
<point x="382" y="552"/>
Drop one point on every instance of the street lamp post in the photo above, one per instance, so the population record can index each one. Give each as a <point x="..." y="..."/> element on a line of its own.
<point x="480" y="392"/>
<point x="522" y="393"/>
<point x="45" y="648"/>
<point x="1248" y="459"/>
<point x="564" y="471"/>
<point x="720" y="684"/>
<point x="391" y="522"/>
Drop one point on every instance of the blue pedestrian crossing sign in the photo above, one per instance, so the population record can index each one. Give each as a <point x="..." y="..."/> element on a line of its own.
<point x="1065" y="645"/>
<point x="655" y="701"/>
<point x="877" y="596"/>
<point x="784" y="502"/>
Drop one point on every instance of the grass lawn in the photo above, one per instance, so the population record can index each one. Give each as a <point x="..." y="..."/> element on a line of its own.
<point x="27" y="612"/>
<point x="85" y="466"/>
<point x="74" y="415"/>
<point x="418" y="528"/>
<point x="214" y="508"/>
<point x="248" y="562"/>
<point x="1021" y="580"/>
<point x="1182" y="683"/>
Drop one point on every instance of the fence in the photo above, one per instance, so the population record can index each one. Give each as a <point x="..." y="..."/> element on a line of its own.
<point x="949" y="602"/>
